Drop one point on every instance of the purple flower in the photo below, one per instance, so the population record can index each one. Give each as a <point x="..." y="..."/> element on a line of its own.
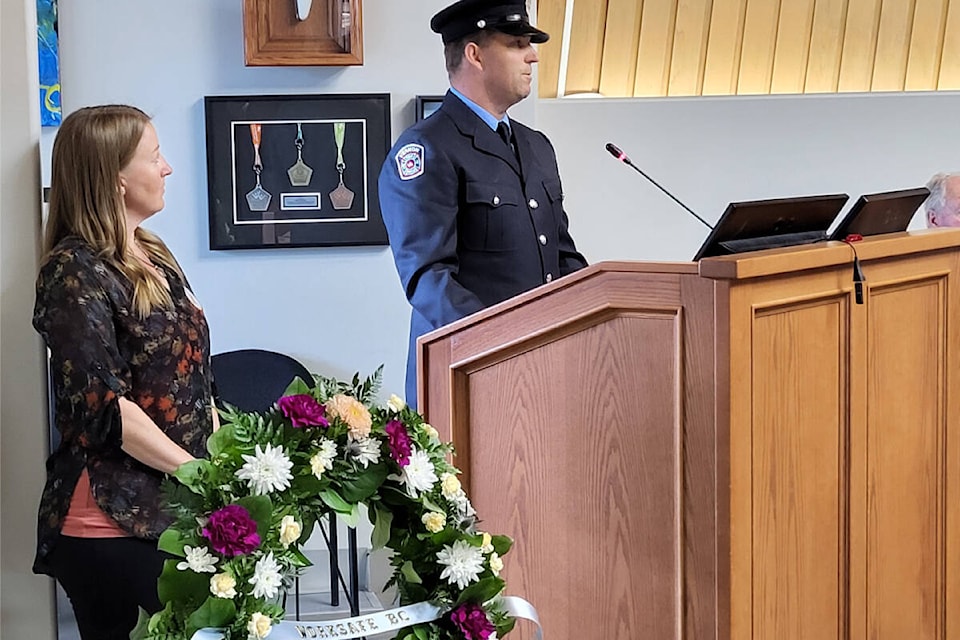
<point x="304" y="411"/>
<point x="399" y="442"/>
<point x="231" y="531"/>
<point x="472" y="621"/>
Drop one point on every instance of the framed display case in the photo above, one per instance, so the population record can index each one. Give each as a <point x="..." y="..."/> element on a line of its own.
<point x="303" y="32"/>
<point x="295" y="170"/>
<point x="426" y="105"/>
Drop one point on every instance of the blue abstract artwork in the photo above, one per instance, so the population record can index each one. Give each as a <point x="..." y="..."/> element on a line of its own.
<point x="50" y="112"/>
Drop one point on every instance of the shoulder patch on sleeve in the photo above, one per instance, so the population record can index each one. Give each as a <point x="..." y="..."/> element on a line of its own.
<point x="410" y="161"/>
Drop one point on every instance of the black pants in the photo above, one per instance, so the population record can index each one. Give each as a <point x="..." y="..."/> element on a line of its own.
<point x="107" y="580"/>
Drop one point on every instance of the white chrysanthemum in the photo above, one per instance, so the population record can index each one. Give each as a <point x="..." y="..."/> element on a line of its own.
<point x="419" y="474"/>
<point x="259" y="626"/>
<point x="496" y="563"/>
<point x="323" y="459"/>
<point x="463" y="563"/>
<point x="366" y="451"/>
<point x="450" y="485"/>
<point x="223" y="585"/>
<point x="198" y="560"/>
<point x="267" y="470"/>
<point x="267" y="578"/>
<point x="396" y="403"/>
<point x="462" y="502"/>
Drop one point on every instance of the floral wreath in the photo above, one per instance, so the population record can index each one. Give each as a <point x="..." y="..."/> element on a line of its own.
<point x="243" y="513"/>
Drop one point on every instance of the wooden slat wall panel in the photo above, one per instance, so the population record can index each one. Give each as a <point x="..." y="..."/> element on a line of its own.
<point x="826" y="46"/>
<point x="722" y="65"/>
<point x="793" y="46"/>
<point x="859" y="45"/>
<point x="550" y="19"/>
<point x="586" y="45"/>
<point x="689" y="47"/>
<point x="759" y="46"/>
<point x="619" y="71"/>
<point x="626" y="48"/>
<point x="893" y="44"/>
<point x="950" y="60"/>
<point x="926" y="45"/>
<point x="656" y="47"/>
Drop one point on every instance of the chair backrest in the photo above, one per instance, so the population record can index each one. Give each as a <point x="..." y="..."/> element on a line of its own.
<point x="253" y="379"/>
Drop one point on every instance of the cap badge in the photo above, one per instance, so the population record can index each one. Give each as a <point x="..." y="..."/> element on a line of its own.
<point x="410" y="161"/>
<point x="481" y="24"/>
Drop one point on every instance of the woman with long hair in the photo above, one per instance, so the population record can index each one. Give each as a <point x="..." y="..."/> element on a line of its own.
<point x="130" y="368"/>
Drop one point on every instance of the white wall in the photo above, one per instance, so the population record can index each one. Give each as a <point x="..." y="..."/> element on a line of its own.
<point x="711" y="151"/>
<point x="338" y="310"/>
<point x="25" y="600"/>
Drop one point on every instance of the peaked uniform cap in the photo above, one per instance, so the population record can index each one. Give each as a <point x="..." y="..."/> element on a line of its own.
<point x="465" y="17"/>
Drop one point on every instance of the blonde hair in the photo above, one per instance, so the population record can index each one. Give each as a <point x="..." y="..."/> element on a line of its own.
<point x="92" y="146"/>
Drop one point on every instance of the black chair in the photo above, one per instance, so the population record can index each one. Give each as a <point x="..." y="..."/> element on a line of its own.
<point x="253" y="380"/>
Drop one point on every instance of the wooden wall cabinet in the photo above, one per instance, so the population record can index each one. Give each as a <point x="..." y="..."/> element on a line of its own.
<point x="331" y="34"/>
<point x="727" y="450"/>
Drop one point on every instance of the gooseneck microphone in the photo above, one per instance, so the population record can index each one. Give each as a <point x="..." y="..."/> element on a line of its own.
<point x="617" y="153"/>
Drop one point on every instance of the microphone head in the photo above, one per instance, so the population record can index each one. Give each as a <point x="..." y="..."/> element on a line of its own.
<point x="617" y="153"/>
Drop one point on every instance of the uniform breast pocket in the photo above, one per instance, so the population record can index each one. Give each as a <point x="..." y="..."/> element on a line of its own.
<point x="492" y="219"/>
<point x="554" y="194"/>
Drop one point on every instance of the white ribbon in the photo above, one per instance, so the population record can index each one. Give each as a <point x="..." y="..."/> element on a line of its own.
<point x="517" y="607"/>
<point x="376" y="623"/>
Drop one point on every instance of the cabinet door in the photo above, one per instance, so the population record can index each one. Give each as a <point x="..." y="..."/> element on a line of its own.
<point x="906" y="503"/>
<point x="791" y="352"/>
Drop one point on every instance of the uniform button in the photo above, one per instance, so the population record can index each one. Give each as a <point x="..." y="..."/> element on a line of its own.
<point x="496" y="199"/>
<point x="549" y="277"/>
<point x="533" y="203"/>
<point x="543" y="239"/>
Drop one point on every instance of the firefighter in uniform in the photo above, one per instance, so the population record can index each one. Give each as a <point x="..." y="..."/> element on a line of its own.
<point x="471" y="199"/>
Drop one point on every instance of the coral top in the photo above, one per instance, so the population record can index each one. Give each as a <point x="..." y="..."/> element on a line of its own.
<point x="85" y="519"/>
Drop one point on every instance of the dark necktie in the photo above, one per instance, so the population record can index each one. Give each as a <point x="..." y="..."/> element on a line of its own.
<point x="503" y="129"/>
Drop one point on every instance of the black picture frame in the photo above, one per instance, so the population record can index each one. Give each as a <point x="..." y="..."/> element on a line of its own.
<point x="296" y="214"/>
<point x="426" y="105"/>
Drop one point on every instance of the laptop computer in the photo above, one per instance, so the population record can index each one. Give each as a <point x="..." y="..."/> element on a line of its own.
<point x="764" y="224"/>
<point x="876" y="213"/>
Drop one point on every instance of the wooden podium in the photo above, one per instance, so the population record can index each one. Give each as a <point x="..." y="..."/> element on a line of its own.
<point x="727" y="449"/>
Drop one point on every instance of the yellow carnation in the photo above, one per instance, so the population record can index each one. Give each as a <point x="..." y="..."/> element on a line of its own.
<point x="487" y="544"/>
<point x="352" y="412"/>
<point x="434" y="521"/>
<point x="450" y="485"/>
<point x="259" y="626"/>
<point x="430" y="431"/>
<point x="290" y="531"/>
<point x="223" y="585"/>
<point x="496" y="563"/>
<point x="396" y="403"/>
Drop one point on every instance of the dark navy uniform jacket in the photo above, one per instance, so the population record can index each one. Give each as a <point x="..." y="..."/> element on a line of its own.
<point x="469" y="225"/>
